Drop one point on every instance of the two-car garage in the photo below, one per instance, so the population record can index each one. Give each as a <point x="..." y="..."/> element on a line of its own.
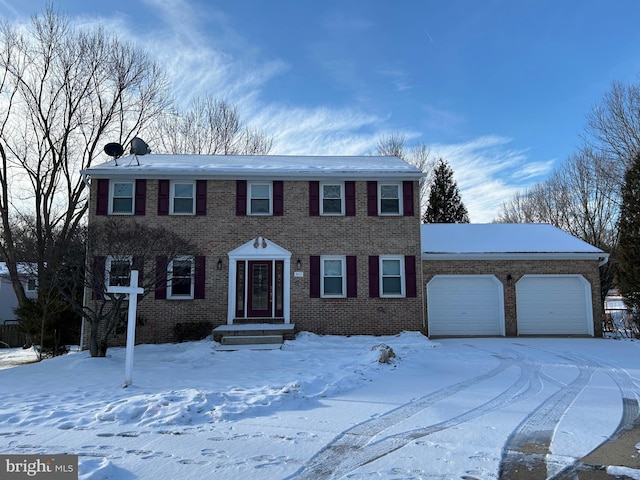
<point x="509" y="280"/>
<point x="473" y="305"/>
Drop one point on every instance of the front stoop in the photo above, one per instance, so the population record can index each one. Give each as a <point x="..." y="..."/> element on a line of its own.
<point x="254" y="336"/>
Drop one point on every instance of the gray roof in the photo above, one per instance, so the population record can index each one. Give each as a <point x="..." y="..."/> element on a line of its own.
<point x="288" y="167"/>
<point x="503" y="241"/>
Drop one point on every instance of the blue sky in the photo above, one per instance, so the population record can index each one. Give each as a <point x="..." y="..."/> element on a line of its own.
<point x="499" y="88"/>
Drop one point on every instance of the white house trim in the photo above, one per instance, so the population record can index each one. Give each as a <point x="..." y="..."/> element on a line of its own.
<point x="259" y="248"/>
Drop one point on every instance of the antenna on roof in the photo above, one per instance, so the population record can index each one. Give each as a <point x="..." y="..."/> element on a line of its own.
<point x="114" y="150"/>
<point x="139" y="147"/>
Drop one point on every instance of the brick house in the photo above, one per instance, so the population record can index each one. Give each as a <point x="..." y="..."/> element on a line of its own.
<point x="328" y="244"/>
<point x="510" y="280"/>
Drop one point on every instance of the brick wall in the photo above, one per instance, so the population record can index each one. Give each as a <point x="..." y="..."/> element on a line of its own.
<point x="517" y="268"/>
<point x="221" y="231"/>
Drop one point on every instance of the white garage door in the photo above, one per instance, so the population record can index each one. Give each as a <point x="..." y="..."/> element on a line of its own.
<point x="554" y="305"/>
<point x="463" y="305"/>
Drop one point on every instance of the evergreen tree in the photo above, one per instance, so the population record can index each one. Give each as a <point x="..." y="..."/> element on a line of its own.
<point x="629" y="243"/>
<point x="445" y="205"/>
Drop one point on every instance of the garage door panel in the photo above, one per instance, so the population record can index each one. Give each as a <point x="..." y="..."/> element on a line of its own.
<point x="554" y="305"/>
<point x="463" y="305"/>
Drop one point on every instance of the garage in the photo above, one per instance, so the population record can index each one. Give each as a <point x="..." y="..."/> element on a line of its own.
<point x="465" y="305"/>
<point x="554" y="305"/>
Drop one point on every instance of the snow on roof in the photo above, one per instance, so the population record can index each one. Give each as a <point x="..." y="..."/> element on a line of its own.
<point x="456" y="240"/>
<point x="255" y="166"/>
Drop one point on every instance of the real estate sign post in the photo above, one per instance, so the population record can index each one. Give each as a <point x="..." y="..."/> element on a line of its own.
<point x="132" y="290"/>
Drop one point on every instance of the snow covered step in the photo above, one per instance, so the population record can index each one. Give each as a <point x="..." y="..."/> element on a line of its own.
<point x="251" y="339"/>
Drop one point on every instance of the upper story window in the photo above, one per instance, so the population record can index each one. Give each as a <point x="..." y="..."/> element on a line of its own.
<point x="332" y="199"/>
<point x="180" y="273"/>
<point x="118" y="271"/>
<point x="389" y="199"/>
<point x="333" y="276"/>
<point x="392" y="280"/>
<point x="182" y="198"/>
<point x="259" y="199"/>
<point x="121" y="198"/>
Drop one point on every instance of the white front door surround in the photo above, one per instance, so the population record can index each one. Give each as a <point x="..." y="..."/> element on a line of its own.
<point x="255" y="250"/>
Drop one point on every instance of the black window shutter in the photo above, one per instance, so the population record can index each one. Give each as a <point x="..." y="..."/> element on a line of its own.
<point x="407" y="198"/>
<point x="163" y="197"/>
<point x="314" y="276"/>
<point x="138" y="264"/>
<point x="198" y="290"/>
<point x="372" y="199"/>
<point x="201" y="197"/>
<point x="350" y="198"/>
<point x="278" y="198"/>
<point x="374" y="276"/>
<point x="352" y="276"/>
<point x="102" y="197"/>
<point x="99" y="265"/>
<point x="141" y="196"/>
<point x="410" y="275"/>
<point x="241" y="197"/>
<point x="161" y="277"/>
<point x="314" y="199"/>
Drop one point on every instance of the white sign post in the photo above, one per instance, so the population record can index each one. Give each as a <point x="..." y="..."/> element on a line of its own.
<point x="132" y="290"/>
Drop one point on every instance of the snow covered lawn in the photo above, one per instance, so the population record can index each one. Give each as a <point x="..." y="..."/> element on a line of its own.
<point x="324" y="407"/>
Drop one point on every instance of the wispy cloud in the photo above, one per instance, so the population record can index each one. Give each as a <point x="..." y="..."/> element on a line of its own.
<point x="488" y="173"/>
<point x="200" y="59"/>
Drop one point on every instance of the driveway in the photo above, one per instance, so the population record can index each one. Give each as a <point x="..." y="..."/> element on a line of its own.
<point x="555" y="408"/>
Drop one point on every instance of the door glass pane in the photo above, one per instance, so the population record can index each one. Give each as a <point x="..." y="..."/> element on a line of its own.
<point x="260" y="290"/>
<point x="240" y="288"/>
<point x="279" y="285"/>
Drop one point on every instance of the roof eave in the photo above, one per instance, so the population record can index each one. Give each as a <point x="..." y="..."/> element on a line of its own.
<point x="601" y="257"/>
<point x="247" y="174"/>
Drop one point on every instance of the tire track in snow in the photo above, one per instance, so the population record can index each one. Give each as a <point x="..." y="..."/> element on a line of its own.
<point x="354" y="447"/>
<point x="525" y="452"/>
<point x="629" y="419"/>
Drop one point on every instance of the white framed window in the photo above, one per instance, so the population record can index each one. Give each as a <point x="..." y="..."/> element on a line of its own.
<point x="260" y="198"/>
<point x="334" y="276"/>
<point x="182" y="198"/>
<point x="118" y="271"/>
<point x="389" y="199"/>
<point x="180" y="274"/>
<point x="392" y="279"/>
<point x="121" y="198"/>
<point x="332" y="199"/>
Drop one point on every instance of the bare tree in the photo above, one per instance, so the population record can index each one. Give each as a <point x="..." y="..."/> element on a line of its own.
<point x="211" y="127"/>
<point x="131" y="243"/>
<point x="580" y="197"/>
<point x="613" y="126"/>
<point x="65" y="93"/>
<point x="419" y="156"/>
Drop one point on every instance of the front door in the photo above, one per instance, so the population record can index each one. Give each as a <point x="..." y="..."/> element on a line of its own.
<point x="259" y="301"/>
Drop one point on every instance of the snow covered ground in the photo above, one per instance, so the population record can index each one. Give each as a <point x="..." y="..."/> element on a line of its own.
<point x="324" y="407"/>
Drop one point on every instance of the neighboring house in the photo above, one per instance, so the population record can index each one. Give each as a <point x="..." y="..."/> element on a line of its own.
<point x="8" y="299"/>
<point x="328" y="244"/>
<point x="510" y="279"/>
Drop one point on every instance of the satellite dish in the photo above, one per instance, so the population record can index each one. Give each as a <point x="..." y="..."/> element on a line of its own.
<point x="139" y="146"/>
<point x="114" y="150"/>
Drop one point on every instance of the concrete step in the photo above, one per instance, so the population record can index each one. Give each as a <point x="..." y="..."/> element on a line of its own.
<point x="287" y="331"/>
<point x="251" y="339"/>
<point x="233" y="348"/>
